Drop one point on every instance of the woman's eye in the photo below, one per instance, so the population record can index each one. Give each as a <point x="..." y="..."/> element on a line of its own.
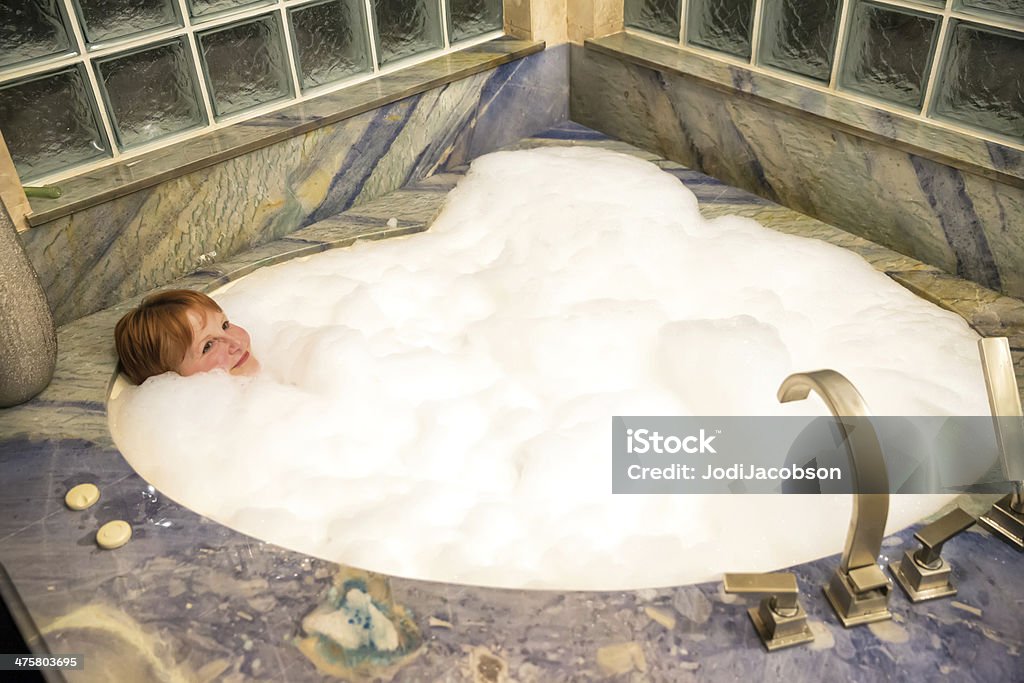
<point x="226" y="325"/>
<point x="207" y="346"/>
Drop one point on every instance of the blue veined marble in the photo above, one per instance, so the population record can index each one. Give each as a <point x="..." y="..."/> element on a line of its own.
<point x="947" y="195"/>
<point x="961" y="222"/>
<point x="570" y="130"/>
<point x="190" y="599"/>
<point x="969" y="150"/>
<point x="107" y="253"/>
<point x="200" y="596"/>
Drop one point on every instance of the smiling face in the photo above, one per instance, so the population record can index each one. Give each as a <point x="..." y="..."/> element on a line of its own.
<point x="217" y="344"/>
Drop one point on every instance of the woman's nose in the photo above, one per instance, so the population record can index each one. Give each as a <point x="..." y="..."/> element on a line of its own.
<point x="233" y="344"/>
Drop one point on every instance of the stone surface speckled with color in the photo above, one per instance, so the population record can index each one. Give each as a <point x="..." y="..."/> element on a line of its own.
<point x="189" y="599"/>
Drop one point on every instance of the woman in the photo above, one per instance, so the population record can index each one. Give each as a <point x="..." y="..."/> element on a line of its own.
<point x="184" y="332"/>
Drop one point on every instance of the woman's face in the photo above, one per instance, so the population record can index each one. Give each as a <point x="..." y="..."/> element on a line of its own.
<point x="216" y="343"/>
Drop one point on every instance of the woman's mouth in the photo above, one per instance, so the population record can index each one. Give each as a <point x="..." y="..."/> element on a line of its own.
<point x="241" y="361"/>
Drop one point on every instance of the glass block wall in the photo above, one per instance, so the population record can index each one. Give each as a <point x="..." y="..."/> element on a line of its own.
<point x="83" y="82"/>
<point x="956" y="61"/>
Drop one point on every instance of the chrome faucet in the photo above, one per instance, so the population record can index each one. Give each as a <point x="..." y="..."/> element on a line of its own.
<point x="859" y="589"/>
<point x="1006" y="518"/>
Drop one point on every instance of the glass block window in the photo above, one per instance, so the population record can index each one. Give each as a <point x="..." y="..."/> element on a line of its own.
<point x="405" y="28"/>
<point x="204" y="10"/>
<point x="982" y="79"/>
<point x="1010" y="8"/>
<point x="150" y="93"/>
<point x="239" y="84"/>
<point x="49" y="121"/>
<point x="723" y="25"/>
<point x="657" y="16"/>
<point x="84" y="83"/>
<point x="104" y="20"/>
<point x="800" y="36"/>
<point x="956" y="62"/>
<point x="468" y="18"/>
<point x="888" y="52"/>
<point x="33" y="30"/>
<point x="329" y="41"/>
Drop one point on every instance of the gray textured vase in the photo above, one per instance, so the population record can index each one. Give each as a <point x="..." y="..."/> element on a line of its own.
<point x="28" y="342"/>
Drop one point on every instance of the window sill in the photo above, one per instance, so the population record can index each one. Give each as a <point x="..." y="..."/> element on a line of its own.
<point x="969" y="152"/>
<point x="110" y="182"/>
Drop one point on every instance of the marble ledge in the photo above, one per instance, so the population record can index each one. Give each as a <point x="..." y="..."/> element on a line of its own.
<point x="117" y="180"/>
<point x="990" y="313"/>
<point x="999" y="161"/>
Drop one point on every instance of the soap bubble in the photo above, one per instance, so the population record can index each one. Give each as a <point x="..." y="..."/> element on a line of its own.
<point x="439" y="405"/>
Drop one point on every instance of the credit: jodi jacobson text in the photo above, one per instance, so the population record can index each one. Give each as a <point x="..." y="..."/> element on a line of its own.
<point x="736" y="472"/>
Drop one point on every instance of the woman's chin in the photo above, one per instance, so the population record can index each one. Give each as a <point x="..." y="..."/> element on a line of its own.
<point x="250" y="367"/>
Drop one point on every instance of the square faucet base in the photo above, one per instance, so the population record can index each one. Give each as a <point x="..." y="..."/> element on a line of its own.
<point x="919" y="595"/>
<point x="1004" y="522"/>
<point x="778" y="642"/>
<point x="869" y="617"/>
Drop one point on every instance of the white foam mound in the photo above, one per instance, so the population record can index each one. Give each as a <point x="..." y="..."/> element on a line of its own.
<point x="437" y="406"/>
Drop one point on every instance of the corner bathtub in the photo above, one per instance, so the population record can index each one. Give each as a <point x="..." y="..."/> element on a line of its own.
<point x="189" y="599"/>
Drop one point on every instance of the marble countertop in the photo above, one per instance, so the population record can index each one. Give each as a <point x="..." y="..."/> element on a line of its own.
<point x="189" y="599"/>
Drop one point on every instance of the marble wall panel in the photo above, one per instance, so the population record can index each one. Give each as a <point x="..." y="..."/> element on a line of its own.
<point x="107" y="253"/>
<point x="966" y="224"/>
<point x="537" y="20"/>
<point x="592" y="18"/>
<point x="548" y="19"/>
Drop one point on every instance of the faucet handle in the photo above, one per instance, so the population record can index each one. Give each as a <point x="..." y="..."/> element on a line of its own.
<point x="1006" y="518"/>
<point x="923" y="574"/>
<point x="781" y="586"/>
<point x="933" y="536"/>
<point x="779" y="619"/>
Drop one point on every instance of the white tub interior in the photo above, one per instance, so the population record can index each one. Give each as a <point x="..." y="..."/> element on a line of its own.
<point x="437" y="406"/>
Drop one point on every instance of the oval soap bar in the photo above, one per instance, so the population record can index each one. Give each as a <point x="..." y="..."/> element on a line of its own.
<point x="82" y="496"/>
<point x="114" y="534"/>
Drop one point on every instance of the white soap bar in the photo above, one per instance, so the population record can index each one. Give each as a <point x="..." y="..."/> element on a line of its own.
<point x="82" y="496"/>
<point x="114" y="534"/>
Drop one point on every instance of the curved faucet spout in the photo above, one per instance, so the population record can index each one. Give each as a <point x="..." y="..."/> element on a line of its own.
<point x="867" y="466"/>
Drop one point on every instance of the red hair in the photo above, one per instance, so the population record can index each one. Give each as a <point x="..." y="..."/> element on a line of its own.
<point x="153" y="338"/>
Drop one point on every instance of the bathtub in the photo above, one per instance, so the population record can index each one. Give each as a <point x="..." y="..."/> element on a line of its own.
<point x="444" y="396"/>
<point x="188" y="598"/>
